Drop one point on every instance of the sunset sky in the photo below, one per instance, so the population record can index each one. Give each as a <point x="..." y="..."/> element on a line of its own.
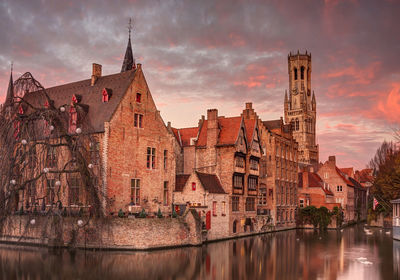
<point x="198" y="55"/>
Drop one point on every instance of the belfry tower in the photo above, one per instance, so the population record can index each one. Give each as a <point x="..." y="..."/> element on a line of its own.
<point x="301" y="107"/>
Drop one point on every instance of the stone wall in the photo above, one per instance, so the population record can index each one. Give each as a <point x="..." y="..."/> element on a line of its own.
<point x="106" y="233"/>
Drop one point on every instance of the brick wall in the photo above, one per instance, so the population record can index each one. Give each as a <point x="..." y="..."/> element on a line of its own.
<point x="117" y="233"/>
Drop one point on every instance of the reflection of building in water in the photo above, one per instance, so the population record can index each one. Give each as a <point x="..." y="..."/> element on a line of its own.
<point x="396" y="259"/>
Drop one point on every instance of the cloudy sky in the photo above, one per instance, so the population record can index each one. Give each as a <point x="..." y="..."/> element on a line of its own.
<point x="220" y="54"/>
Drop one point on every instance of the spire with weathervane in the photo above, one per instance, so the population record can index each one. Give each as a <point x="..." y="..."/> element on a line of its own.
<point x="129" y="61"/>
<point x="10" y="91"/>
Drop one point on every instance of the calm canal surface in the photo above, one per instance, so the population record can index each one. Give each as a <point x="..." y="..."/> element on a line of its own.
<point x="302" y="254"/>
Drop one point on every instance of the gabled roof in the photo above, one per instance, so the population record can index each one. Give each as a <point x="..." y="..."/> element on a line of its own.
<point x="210" y="183"/>
<point x="342" y="175"/>
<point x="229" y="131"/>
<point x="355" y="183"/>
<point x="98" y="111"/>
<point x="180" y="181"/>
<point x="183" y="135"/>
<point x="314" y="181"/>
<point x="272" y="124"/>
<point x="365" y="175"/>
<point x="250" y="129"/>
<point x="348" y="171"/>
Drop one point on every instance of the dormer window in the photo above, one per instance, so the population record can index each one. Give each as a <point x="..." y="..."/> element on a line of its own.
<point x="73" y="120"/>
<point x="138" y="97"/>
<point x="106" y="94"/>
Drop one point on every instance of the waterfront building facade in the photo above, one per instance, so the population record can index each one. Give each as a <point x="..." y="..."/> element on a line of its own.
<point x="396" y="218"/>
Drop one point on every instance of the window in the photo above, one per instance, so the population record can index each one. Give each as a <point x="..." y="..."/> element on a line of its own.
<point x="253" y="164"/>
<point x="138" y="121"/>
<point x="223" y="210"/>
<point x="301" y="202"/>
<point x="73" y="183"/>
<point x="239" y="161"/>
<point x="302" y="72"/>
<point x="135" y="191"/>
<point x="193" y="186"/>
<point x="253" y="182"/>
<point x="138" y="97"/>
<point x="51" y="160"/>
<point x="250" y="203"/>
<point x="339" y="188"/>
<point x="50" y="194"/>
<point x="235" y="203"/>
<point x="297" y="124"/>
<point x="165" y="159"/>
<point x="151" y="158"/>
<point x="295" y="73"/>
<point x="326" y="175"/>
<point x="262" y="196"/>
<point x="106" y="95"/>
<point x="214" y="208"/>
<point x="238" y="181"/>
<point x="165" y="193"/>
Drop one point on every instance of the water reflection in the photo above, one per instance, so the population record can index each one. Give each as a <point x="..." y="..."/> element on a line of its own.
<point x="351" y="254"/>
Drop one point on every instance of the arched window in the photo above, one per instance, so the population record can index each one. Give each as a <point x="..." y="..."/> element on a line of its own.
<point x="302" y="72"/>
<point x="234" y="226"/>
<point x="292" y="124"/>
<point x="295" y="73"/>
<point x="297" y="124"/>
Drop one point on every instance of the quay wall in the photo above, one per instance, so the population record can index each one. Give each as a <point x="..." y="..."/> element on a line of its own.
<point x="104" y="233"/>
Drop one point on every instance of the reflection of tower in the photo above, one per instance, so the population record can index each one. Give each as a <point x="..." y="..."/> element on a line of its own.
<point x="396" y="259"/>
<point x="301" y="108"/>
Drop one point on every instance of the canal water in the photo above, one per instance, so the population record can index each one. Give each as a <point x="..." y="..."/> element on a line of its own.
<point x="296" y="254"/>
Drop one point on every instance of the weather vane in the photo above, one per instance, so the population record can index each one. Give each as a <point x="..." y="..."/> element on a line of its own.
<point x="130" y="26"/>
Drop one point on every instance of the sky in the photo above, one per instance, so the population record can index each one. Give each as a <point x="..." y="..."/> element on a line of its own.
<point x="198" y="55"/>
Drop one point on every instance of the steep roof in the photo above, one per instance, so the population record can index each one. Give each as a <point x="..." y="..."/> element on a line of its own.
<point x="355" y="183"/>
<point x="348" y="171"/>
<point x="129" y="62"/>
<point x="210" y="183"/>
<point x="365" y="175"/>
<point x="183" y="135"/>
<point x="180" y="181"/>
<point x="250" y="127"/>
<point x="343" y="176"/>
<point x="229" y="131"/>
<point x="98" y="111"/>
<point x="272" y="124"/>
<point x="10" y="92"/>
<point x="314" y="181"/>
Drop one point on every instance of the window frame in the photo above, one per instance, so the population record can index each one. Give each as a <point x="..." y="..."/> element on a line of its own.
<point x="135" y="191"/>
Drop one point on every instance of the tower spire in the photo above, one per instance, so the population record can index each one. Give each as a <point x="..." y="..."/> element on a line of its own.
<point x="10" y="90"/>
<point x="129" y="61"/>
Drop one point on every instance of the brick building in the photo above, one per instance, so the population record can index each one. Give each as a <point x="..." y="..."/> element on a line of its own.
<point x="204" y="193"/>
<point x="230" y="149"/>
<point x="342" y="188"/>
<point x="278" y="169"/>
<point x="131" y="149"/>
<point x="314" y="191"/>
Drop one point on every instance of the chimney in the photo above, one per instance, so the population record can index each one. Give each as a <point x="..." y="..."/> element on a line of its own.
<point x="249" y="105"/>
<point x="332" y="160"/>
<point x="96" y="73"/>
<point x="212" y="129"/>
<point x="305" y="179"/>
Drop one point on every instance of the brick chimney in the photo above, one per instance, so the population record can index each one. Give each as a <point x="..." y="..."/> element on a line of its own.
<point x="212" y="129"/>
<point x="96" y="73"/>
<point x="332" y="160"/>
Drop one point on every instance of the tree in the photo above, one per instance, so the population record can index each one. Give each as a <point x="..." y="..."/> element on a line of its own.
<point x="40" y="155"/>
<point x="386" y="166"/>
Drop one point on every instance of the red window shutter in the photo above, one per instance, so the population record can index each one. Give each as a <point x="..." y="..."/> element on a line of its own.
<point x="193" y="186"/>
<point x="208" y="220"/>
